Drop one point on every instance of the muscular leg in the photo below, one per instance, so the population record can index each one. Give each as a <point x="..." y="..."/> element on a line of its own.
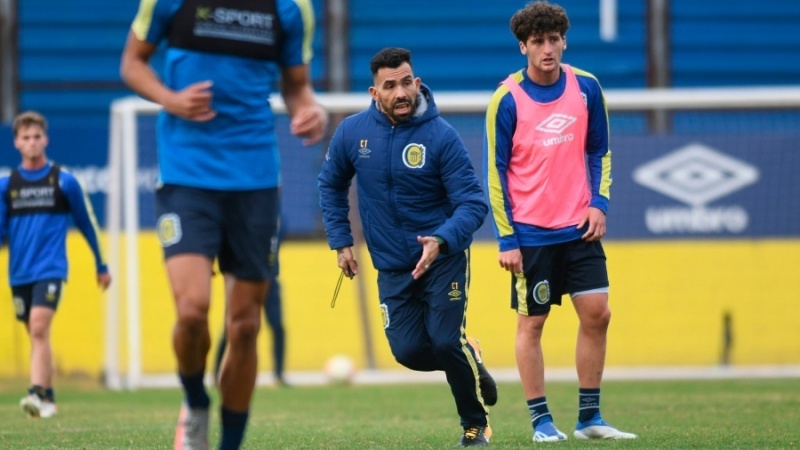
<point x="530" y="360"/>
<point x="41" y="351"/>
<point x="190" y="278"/>
<point x="242" y="322"/>
<point x="590" y="353"/>
<point x="590" y="356"/>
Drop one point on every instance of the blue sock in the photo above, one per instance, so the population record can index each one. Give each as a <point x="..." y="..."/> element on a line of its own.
<point x="50" y="394"/>
<point x="588" y="404"/>
<point x="233" y="425"/>
<point x="539" y="411"/>
<point x="195" y="390"/>
<point x="38" y="390"/>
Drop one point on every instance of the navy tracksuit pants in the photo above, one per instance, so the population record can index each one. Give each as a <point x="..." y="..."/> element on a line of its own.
<point x="425" y="323"/>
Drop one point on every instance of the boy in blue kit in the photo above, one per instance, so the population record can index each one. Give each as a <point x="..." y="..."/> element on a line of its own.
<point x="38" y="199"/>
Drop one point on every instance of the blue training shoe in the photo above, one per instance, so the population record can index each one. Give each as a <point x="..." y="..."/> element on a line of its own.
<point x="597" y="428"/>
<point x="547" y="432"/>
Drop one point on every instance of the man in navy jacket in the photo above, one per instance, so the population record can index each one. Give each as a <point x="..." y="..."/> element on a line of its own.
<point x="420" y="203"/>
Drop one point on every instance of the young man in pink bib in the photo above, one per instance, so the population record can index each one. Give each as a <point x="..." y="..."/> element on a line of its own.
<point x="547" y="177"/>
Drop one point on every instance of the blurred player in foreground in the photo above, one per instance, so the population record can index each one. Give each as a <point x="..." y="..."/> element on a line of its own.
<point x="273" y="313"/>
<point x="218" y="162"/>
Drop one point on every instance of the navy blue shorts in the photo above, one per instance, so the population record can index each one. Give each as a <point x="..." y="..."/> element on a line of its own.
<point x="415" y="311"/>
<point x="46" y="293"/>
<point x="238" y="228"/>
<point x="551" y="271"/>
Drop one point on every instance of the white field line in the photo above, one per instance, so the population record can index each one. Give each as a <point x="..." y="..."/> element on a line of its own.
<point x="365" y="377"/>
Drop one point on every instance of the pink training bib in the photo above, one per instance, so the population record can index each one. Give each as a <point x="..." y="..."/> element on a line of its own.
<point x="548" y="184"/>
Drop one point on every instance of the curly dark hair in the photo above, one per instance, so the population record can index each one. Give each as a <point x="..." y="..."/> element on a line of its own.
<point x="391" y="57"/>
<point x="538" y="18"/>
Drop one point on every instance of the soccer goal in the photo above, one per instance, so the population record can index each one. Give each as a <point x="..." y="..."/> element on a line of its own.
<point x="133" y="174"/>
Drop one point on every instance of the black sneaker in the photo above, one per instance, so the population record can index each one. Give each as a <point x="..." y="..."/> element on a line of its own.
<point x="474" y="436"/>
<point x="485" y="380"/>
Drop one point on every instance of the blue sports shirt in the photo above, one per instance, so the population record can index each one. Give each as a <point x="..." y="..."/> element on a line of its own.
<point x="241" y="50"/>
<point x="37" y="241"/>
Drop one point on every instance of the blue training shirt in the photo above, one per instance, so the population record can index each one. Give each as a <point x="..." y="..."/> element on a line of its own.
<point x="236" y="150"/>
<point x="37" y="242"/>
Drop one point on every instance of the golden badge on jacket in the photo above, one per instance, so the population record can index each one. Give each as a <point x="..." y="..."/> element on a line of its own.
<point x="414" y="156"/>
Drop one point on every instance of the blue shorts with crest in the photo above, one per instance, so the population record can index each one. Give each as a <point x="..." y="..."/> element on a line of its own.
<point x="238" y="228"/>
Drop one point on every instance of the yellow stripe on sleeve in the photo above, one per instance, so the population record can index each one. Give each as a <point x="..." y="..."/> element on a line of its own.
<point x="494" y="187"/>
<point x="605" y="176"/>
<point x="144" y="18"/>
<point x="307" y="12"/>
<point x="605" y="171"/>
<point x="583" y="73"/>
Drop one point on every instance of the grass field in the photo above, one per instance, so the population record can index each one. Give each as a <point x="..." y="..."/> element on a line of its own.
<point x="707" y="414"/>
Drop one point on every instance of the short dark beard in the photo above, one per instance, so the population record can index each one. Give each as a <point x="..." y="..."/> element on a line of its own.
<point x="405" y="117"/>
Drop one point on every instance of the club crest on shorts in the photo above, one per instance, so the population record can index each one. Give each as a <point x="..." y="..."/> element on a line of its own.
<point x="385" y="315"/>
<point x="414" y="156"/>
<point x="541" y="292"/>
<point x="19" y="305"/>
<point x="52" y="291"/>
<point x="169" y="229"/>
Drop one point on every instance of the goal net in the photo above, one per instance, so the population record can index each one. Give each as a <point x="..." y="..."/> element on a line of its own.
<point x="653" y="133"/>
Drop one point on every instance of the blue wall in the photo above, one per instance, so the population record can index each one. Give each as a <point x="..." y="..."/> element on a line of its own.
<point x="470" y="47"/>
<point x="712" y="157"/>
<point x="69" y="51"/>
<point x="69" y="57"/>
<point x="741" y="43"/>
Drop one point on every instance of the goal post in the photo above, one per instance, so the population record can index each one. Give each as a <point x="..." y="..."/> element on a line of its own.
<point x="122" y="197"/>
<point x="122" y="338"/>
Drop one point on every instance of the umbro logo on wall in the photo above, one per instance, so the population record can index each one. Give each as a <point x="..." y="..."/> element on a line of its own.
<point x="556" y="123"/>
<point x="696" y="175"/>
